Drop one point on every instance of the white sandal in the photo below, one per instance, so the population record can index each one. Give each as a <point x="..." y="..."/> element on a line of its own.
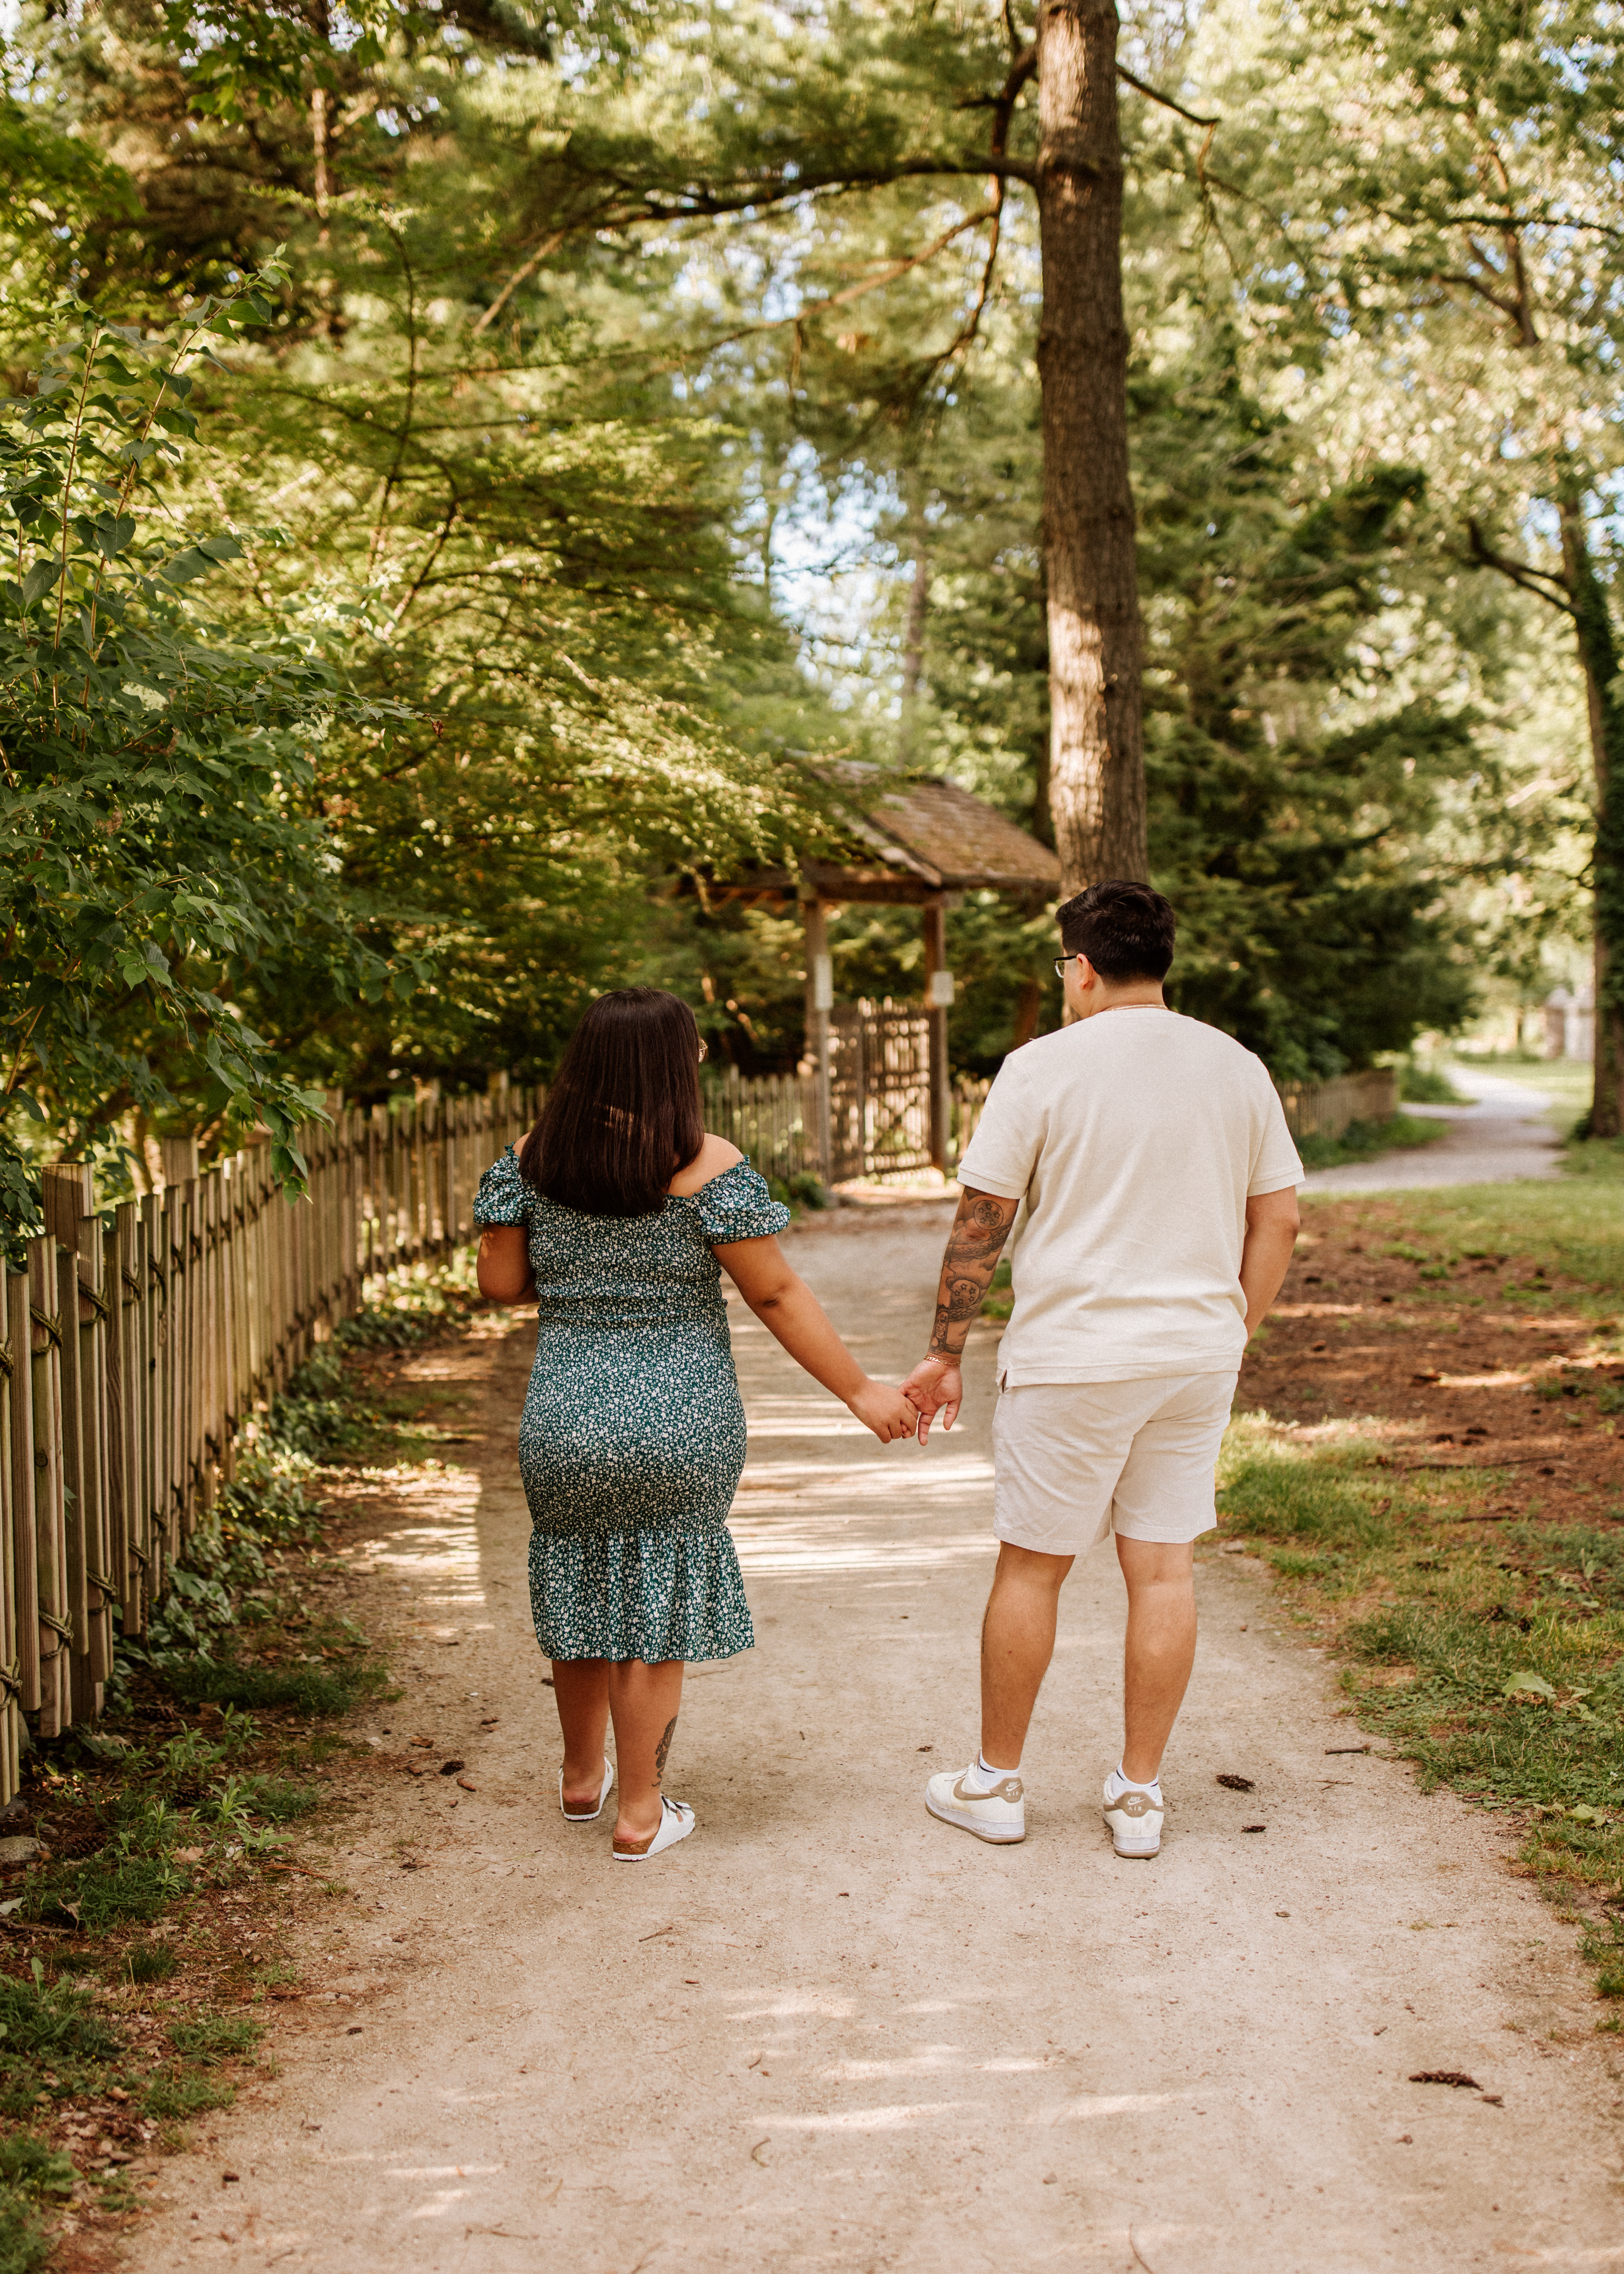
<point x="676" y="1822"/>
<point x="592" y="1815"/>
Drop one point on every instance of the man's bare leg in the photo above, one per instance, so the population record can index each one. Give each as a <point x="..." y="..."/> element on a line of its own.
<point x="1160" y="1650"/>
<point x="1017" y="1641"/>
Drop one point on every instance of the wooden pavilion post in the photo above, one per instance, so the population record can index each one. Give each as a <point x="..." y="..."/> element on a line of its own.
<point x="938" y="995"/>
<point x="820" y="1003"/>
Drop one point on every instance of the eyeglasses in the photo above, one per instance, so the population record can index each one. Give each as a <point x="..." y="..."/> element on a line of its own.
<point x="1061" y="962"/>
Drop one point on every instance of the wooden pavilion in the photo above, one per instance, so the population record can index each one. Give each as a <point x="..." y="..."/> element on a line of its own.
<point x="921" y="843"/>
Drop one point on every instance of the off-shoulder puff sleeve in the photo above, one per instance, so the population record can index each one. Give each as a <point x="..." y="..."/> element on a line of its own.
<point x="503" y="1196"/>
<point x="737" y="1205"/>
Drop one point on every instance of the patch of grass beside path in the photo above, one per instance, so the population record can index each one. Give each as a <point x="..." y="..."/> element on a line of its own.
<point x="1362" y="1140"/>
<point x="1483" y="1629"/>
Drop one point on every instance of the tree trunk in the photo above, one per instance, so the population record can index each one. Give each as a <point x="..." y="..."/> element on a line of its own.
<point x="913" y="637"/>
<point x="1096" y="784"/>
<point x="1599" y="658"/>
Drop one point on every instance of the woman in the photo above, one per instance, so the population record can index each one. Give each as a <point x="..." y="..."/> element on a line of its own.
<point x="615" y="1216"/>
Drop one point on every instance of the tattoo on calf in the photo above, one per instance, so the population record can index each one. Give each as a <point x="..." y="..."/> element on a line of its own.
<point x="663" y="1748"/>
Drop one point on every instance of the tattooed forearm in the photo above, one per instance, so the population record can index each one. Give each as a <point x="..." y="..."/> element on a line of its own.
<point x="974" y="1245"/>
<point x="663" y="1748"/>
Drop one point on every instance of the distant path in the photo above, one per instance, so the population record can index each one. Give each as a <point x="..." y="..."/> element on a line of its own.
<point x="828" y="2035"/>
<point x="1501" y="1139"/>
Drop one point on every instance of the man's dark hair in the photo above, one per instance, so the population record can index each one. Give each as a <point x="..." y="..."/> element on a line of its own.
<point x="1126" y="930"/>
<point x="623" y="1114"/>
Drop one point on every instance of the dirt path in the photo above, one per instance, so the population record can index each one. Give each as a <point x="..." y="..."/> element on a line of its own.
<point x="829" y="2032"/>
<point x="1504" y="1136"/>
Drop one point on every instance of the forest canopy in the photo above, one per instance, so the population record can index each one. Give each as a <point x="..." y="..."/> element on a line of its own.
<point x="590" y="424"/>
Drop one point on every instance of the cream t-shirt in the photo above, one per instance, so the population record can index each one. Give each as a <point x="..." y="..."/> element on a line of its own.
<point x="1136" y="1138"/>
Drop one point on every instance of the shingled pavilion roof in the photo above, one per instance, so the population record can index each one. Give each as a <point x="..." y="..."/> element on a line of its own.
<point x="919" y="838"/>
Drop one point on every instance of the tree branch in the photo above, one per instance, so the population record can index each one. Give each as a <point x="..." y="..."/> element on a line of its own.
<point x="545" y="251"/>
<point x="1166" y="101"/>
<point x="1522" y="573"/>
<point x="1508" y="308"/>
<point x="706" y="205"/>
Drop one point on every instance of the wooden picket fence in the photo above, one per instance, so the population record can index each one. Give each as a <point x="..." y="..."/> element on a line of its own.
<point x="137" y="1349"/>
<point x="772" y="1120"/>
<point x="1325" y="1109"/>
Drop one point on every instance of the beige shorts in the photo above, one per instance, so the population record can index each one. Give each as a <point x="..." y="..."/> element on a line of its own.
<point x="1077" y="1461"/>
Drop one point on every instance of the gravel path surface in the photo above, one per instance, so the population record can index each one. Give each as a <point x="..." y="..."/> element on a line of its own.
<point x="1503" y="1137"/>
<point x="829" y="2032"/>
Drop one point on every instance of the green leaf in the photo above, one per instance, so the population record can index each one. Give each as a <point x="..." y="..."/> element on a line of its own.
<point x="184" y="566"/>
<point x="1533" y="1686"/>
<point x="40" y="579"/>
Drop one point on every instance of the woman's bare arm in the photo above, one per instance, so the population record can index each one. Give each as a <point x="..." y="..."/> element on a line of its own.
<point x="505" y="1265"/>
<point x="789" y="1310"/>
<point x="973" y="1247"/>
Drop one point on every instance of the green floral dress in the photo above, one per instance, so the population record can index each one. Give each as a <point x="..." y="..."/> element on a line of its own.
<point x="632" y="1439"/>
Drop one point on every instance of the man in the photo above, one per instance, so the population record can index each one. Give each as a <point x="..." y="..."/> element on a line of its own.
<point x="1158" y="1174"/>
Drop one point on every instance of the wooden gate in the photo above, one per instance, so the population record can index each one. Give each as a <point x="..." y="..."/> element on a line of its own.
<point x="879" y="1091"/>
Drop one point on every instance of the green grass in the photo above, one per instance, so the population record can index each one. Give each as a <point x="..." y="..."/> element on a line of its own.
<point x="51" y="2045"/>
<point x="1570" y="1230"/>
<point x="151" y="1962"/>
<point x="32" y="2171"/>
<point x="317" y="1689"/>
<point x="173" y="2098"/>
<point x="1600" y="1159"/>
<point x="1362" y="1140"/>
<point x="1490" y="1659"/>
<point x="1490" y="1655"/>
<point x="223" y="2037"/>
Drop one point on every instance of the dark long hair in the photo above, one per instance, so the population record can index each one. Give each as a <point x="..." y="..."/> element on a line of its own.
<point x="623" y="1113"/>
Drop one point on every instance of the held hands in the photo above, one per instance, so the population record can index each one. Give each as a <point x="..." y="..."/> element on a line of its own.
<point x="884" y="1410"/>
<point x="937" y="1388"/>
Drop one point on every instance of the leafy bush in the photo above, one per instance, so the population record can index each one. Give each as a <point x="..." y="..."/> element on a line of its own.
<point x="24" y="2247"/>
<point x="33" y="2167"/>
<point x="1421" y="1084"/>
<point x="156" y="766"/>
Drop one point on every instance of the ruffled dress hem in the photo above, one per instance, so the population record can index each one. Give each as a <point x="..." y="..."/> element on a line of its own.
<point x="652" y="1594"/>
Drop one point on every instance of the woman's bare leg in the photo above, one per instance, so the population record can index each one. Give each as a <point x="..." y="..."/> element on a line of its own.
<point x="581" y="1686"/>
<point x="643" y="1700"/>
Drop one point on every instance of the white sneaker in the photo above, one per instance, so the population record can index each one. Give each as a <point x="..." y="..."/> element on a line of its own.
<point x="1135" y="1817"/>
<point x="676" y="1822"/>
<point x="999" y="1815"/>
